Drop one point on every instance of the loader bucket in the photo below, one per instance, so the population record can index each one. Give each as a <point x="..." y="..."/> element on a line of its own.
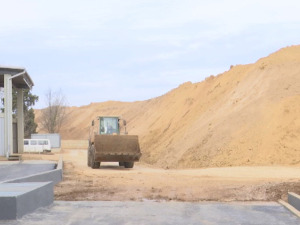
<point x="117" y="148"/>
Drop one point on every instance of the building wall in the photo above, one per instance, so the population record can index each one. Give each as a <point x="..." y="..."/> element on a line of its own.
<point x="2" y="135"/>
<point x="15" y="136"/>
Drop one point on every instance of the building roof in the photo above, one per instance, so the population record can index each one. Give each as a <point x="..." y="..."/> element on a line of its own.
<point x="24" y="81"/>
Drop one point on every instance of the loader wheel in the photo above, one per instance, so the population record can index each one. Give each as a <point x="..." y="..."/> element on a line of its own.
<point x="121" y="164"/>
<point x="89" y="157"/>
<point x="93" y="164"/>
<point x="128" y="164"/>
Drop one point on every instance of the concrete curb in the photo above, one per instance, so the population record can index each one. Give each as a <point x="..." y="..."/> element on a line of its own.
<point x="55" y="175"/>
<point x="23" y="195"/>
<point x="290" y="207"/>
<point x="60" y="163"/>
<point x="294" y="200"/>
<point x="18" y="199"/>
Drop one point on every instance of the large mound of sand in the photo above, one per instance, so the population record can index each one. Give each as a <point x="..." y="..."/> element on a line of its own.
<point x="249" y="115"/>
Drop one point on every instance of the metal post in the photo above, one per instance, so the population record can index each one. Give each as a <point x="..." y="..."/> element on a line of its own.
<point x="8" y="142"/>
<point x="20" y="119"/>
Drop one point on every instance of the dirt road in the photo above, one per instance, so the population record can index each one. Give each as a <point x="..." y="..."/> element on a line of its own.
<point x="144" y="182"/>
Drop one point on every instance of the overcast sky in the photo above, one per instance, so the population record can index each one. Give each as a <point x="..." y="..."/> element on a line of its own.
<point x="128" y="50"/>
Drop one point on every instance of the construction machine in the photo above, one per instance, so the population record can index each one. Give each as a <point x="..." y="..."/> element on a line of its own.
<point x="108" y="144"/>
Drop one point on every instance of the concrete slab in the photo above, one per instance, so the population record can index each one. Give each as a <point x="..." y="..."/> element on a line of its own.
<point x="31" y="171"/>
<point x="289" y="207"/>
<point x="148" y="212"/>
<point x="18" y="199"/>
<point x="11" y="171"/>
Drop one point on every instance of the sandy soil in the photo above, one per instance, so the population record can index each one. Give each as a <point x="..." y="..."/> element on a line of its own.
<point x="246" y="116"/>
<point x="145" y="182"/>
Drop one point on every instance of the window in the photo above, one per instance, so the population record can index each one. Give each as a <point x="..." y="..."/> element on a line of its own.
<point x="26" y="142"/>
<point x="42" y="142"/>
<point x="33" y="142"/>
<point x="109" y="125"/>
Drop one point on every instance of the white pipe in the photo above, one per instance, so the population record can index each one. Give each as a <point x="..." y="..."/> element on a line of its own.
<point x="25" y="80"/>
<point x="17" y="75"/>
<point x="20" y="74"/>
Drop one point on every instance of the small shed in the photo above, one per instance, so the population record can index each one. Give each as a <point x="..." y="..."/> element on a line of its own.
<point x="54" y="139"/>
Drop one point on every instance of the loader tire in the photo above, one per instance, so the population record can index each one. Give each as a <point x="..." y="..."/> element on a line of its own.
<point x="128" y="164"/>
<point x="89" y="156"/>
<point x="96" y="165"/>
<point x="93" y="164"/>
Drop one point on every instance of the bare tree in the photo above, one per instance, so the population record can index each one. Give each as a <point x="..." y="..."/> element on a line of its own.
<point x="54" y="115"/>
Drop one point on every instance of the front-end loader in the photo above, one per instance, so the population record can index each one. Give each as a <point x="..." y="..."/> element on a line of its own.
<point x="108" y="144"/>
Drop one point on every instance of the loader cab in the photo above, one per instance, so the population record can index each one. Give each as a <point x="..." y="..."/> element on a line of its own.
<point x="109" y="125"/>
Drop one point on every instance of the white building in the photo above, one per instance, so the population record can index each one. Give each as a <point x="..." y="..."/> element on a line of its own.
<point x="19" y="79"/>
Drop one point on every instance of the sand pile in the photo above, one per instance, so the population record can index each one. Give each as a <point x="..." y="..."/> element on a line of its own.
<point x="249" y="115"/>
